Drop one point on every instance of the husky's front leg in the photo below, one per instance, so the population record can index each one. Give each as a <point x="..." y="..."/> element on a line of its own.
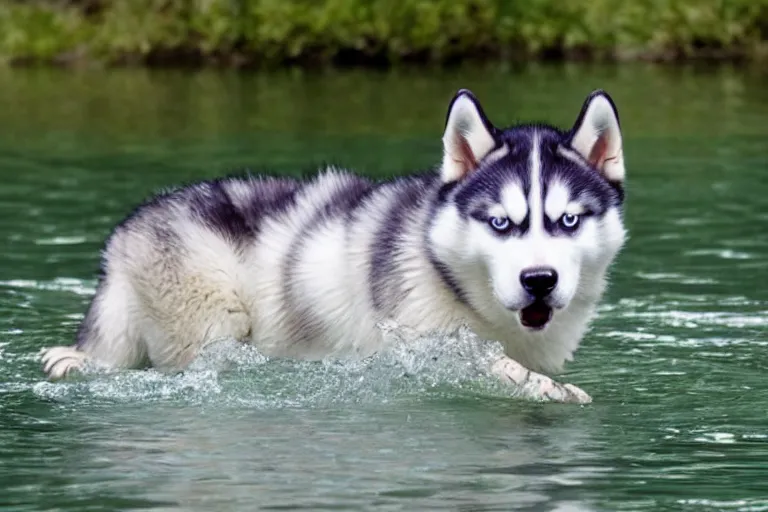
<point x="537" y="385"/>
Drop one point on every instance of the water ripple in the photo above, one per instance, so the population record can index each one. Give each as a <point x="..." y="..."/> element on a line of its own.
<point x="66" y="284"/>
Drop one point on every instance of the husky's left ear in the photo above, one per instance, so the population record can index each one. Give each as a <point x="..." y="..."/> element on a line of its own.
<point x="467" y="139"/>
<point x="597" y="136"/>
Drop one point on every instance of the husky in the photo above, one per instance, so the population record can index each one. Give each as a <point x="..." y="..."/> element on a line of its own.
<point x="512" y="235"/>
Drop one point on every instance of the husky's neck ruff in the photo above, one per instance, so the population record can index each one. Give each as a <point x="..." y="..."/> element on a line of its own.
<point x="513" y="235"/>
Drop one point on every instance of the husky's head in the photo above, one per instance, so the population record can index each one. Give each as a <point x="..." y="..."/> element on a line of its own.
<point x="530" y="218"/>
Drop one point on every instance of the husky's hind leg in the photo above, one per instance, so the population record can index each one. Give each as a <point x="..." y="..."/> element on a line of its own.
<point x="166" y="328"/>
<point x="536" y="385"/>
<point x="191" y="301"/>
<point x="108" y="336"/>
<point x="195" y="312"/>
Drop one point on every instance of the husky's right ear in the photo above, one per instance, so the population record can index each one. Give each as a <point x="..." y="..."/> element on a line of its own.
<point x="467" y="139"/>
<point x="597" y="136"/>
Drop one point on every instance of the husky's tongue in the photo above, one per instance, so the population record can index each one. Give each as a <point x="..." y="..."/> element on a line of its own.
<point x="536" y="315"/>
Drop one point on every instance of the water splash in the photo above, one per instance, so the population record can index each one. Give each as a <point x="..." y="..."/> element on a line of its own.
<point x="231" y="373"/>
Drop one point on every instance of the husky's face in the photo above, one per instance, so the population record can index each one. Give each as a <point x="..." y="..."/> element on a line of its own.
<point x="530" y="217"/>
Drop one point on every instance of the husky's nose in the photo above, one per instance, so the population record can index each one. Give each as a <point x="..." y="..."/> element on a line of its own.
<point x="539" y="282"/>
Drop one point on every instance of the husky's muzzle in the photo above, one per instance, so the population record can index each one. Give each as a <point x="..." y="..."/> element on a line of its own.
<point x="539" y="283"/>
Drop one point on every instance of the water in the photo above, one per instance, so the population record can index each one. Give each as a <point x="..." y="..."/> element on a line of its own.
<point x="675" y="363"/>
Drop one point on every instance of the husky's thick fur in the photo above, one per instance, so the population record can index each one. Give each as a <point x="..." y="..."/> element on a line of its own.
<point x="512" y="235"/>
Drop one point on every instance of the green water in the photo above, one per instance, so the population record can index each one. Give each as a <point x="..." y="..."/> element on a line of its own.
<point x="676" y="362"/>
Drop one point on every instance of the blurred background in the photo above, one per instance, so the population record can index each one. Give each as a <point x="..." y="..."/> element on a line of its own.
<point x="377" y="32"/>
<point x="105" y="102"/>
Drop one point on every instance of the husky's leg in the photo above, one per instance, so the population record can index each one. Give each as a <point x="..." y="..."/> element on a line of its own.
<point x="108" y="335"/>
<point x="167" y="327"/>
<point x="198" y="310"/>
<point x="538" y="385"/>
<point x="176" y="339"/>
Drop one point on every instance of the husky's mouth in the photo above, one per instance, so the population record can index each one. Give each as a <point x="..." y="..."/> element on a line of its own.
<point x="536" y="316"/>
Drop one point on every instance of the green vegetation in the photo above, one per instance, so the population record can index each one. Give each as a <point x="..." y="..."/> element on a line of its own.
<point x="377" y="31"/>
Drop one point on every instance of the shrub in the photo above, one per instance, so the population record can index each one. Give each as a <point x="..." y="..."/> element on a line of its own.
<point x="378" y="31"/>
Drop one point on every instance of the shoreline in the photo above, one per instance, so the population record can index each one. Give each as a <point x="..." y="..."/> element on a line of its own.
<point x="185" y="59"/>
<point x="377" y="33"/>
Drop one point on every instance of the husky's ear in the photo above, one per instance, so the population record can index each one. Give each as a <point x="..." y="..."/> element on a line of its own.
<point x="596" y="136"/>
<point x="467" y="139"/>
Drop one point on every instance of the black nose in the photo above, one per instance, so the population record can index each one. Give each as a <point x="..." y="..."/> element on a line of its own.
<point x="539" y="282"/>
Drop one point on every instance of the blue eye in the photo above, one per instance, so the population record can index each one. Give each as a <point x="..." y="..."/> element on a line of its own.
<point x="569" y="222"/>
<point x="500" y="224"/>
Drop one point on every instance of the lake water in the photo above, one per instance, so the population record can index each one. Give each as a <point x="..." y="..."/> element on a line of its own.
<point x="676" y="362"/>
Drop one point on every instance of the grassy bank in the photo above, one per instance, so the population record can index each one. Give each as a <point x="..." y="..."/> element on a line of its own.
<point x="376" y="31"/>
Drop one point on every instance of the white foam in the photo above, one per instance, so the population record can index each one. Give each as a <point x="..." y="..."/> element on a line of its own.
<point x="61" y="240"/>
<point x="231" y="373"/>
<point x="66" y="284"/>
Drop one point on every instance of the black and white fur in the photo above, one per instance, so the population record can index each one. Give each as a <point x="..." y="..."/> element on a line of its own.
<point x="512" y="235"/>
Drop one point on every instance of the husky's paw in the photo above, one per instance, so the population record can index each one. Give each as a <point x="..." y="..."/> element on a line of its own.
<point x="58" y="362"/>
<point x="537" y="386"/>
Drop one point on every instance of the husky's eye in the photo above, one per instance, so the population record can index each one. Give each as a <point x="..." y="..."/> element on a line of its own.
<point x="500" y="224"/>
<point x="569" y="222"/>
